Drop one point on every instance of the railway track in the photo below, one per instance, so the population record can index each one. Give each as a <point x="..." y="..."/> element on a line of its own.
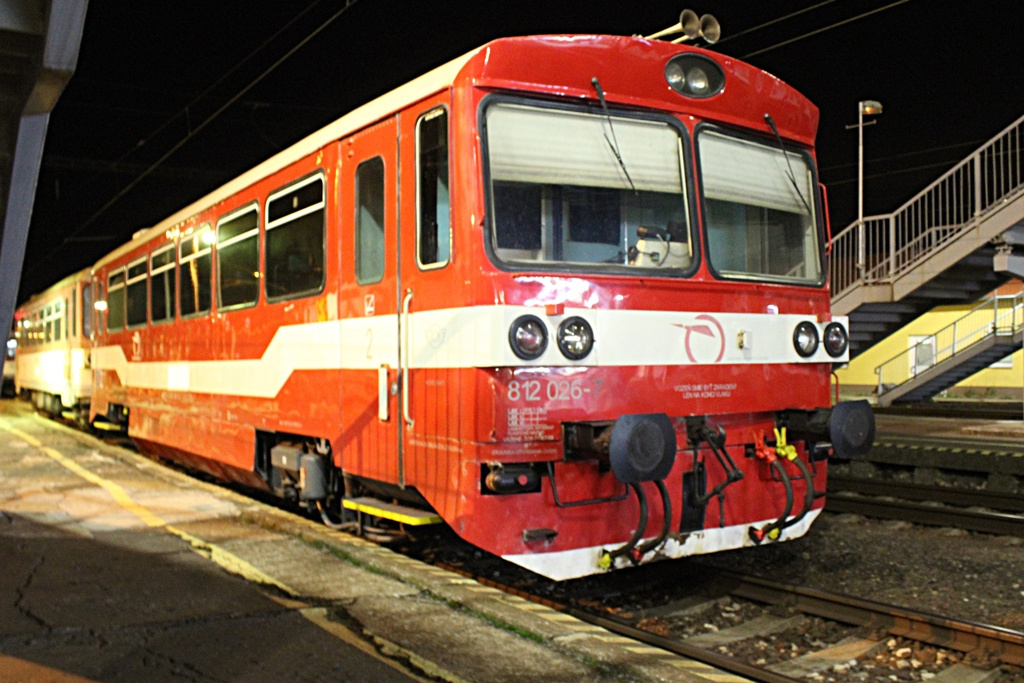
<point x="968" y="509"/>
<point x="779" y="632"/>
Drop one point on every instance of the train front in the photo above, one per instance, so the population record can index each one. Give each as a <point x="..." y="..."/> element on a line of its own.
<point x="655" y="246"/>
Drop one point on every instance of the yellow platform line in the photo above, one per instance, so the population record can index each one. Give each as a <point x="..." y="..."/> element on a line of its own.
<point x="225" y="559"/>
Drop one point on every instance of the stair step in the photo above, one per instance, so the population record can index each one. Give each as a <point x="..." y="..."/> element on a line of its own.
<point x="396" y="513"/>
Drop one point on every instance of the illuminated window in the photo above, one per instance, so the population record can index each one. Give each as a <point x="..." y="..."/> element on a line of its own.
<point x="238" y="258"/>
<point x="195" y="267"/>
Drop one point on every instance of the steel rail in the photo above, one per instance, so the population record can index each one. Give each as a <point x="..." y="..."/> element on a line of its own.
<point x="921" y="513"/>
<point x="947" y="495"/>
<point x="963" y="636"/>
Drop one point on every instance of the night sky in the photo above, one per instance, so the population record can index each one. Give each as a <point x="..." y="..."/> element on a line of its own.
<point x="152" y="74"/>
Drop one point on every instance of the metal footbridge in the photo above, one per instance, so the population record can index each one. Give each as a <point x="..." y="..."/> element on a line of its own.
<point x="953" y="243"/>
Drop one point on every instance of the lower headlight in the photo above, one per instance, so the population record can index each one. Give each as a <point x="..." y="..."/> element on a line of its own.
<point x="575" y="338"/>
<point x="805" y="339"/>
<point x="835" y="339"/>
<point x="528" y="337"/>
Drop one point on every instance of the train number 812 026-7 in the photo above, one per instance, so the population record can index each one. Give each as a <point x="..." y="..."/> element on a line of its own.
<point x="551" y="390"/>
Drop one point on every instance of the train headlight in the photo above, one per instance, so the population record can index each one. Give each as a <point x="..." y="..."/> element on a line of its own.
<point x="805" y="339"/>
<point x="835" y="339"/>
<point x="693" y="75"/>
<point x="575" y="338"/>
<point x="528" y="337"/>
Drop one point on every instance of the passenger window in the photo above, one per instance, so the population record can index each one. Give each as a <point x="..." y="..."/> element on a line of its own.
<point x="195" y="268"/>
<point x="296" y="240"/>
<point x="71" y="315"/>
<point x="87" y="311"/>
<point x="434" y="215"/>
<point x="238" y="258"/>
<point x="115" y="301"/>
<point x="161" y="284"/>
<point x="58" y="318"/>
<point x="137" y="273"/>
<point x="370" y="221"/>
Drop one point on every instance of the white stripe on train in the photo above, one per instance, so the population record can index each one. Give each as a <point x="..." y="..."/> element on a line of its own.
<point x="471" y="337"/>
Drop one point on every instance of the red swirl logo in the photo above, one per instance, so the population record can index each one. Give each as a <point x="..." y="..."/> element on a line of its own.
<point x="704" y="339"/>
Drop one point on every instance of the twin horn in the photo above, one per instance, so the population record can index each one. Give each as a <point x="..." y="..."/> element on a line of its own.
<point x="692" y="27"/>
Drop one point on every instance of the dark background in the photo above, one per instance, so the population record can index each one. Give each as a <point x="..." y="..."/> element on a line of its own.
<point x="152" y="74"/>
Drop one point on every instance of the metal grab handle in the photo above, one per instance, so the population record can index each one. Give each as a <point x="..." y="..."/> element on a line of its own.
<point x="404" y="359"/>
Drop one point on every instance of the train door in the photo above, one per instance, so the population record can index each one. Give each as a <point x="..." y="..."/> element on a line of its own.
<point x="371" y="301"/>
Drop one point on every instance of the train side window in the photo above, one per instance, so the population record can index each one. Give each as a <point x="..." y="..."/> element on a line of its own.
<point x="195" y="268"/>
<point x="137" y="275"/>
<point x="87" y="310"/>
<point x="433" y="205"/>
<point x="48" y="324"/>
<point x="370" y="221"/>
<point x="58" y="320"/>
<point x="238" y="258"/>
<point x="72" y="326"/>
<point x="296" y="240"/>
<point x="161" y="284"/>
<point x="115" y="300"/>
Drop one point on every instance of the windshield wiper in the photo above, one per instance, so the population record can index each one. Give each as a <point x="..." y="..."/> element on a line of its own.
<point x="792" y="176"/>
<point x="613" y="145"/>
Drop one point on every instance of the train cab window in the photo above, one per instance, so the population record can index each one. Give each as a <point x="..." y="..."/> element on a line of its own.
<point x="296" y="240"/>
<point x="370" y="221"/>
<point x="565" y="190"/>
<point x="162" y="286"/>
<point x="760" y="219"/>
<point x="87" y="311"/>
<point x="195" y="268"/>
<point x="136" y="308"/>
<point x="115" y="301"/>
<point x="238" y="258"/>
<point x="434" y="211"/>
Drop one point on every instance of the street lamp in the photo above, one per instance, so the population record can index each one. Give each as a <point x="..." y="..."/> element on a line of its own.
<point x="864" y="108"/>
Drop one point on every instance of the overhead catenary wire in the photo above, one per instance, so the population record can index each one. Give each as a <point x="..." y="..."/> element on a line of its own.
<point x="823" y="29"/>
<point x="203" y="124"/>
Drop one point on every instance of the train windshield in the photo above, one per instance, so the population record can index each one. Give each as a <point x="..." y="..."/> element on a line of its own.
<point x="582" y="189"/>
<point x="759" y="210"/>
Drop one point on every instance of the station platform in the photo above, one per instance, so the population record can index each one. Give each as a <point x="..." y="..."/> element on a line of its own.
<point x="116" y="568"/>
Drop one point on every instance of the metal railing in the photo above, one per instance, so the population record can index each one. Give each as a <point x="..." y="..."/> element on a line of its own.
<point x="995" y="316"/>
<point x="884" y="247"/>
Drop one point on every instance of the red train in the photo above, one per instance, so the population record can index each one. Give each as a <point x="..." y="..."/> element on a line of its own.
<point x="565" y="293"/>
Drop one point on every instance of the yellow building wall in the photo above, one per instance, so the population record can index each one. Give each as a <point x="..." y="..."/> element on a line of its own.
<point x="859" y="378"/>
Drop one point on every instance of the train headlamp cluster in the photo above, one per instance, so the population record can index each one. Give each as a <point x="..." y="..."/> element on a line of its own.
<point x="528" y="337"/>
<point x="805" y="339"/>
<point x="693" y="75"/>
<point x="575" y="338"/>
<point x="834" y="339"/>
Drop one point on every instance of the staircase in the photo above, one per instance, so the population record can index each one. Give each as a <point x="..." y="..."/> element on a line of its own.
<point x="938" y="248"/>
<point x="992" y="330"/>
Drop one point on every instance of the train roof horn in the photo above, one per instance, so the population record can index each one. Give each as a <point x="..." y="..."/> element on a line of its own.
<point x="692" y="27"/>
